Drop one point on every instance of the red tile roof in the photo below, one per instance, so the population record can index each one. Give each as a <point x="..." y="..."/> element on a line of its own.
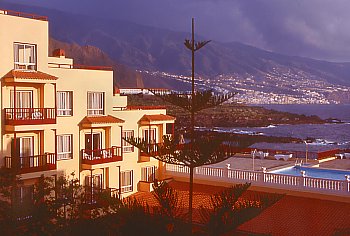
<point x="101" y="120"/>
<point x="301" y="216"/>
<point x="159" y="117"/>
<point x="201" y="197"/>
<point x="291" y="215"/>
<point x="28" y="74"/>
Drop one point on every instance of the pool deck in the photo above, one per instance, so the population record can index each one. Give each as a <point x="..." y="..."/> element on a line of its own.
<point x="341" y="164"/>
<point x="245" y="162"/>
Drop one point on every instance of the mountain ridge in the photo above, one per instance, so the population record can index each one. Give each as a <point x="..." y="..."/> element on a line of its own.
<point x="147" y="48"/>
<point x="123" y="76"/>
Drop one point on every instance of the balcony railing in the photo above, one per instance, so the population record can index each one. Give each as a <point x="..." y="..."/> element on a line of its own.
<point x="151" y="149"/>
<point x="77" y="66"/>
<point x="265" y="179"/>
<point x="100" y="156"/>
<point x="32" y="164"/>
<point x="30" y="116"/>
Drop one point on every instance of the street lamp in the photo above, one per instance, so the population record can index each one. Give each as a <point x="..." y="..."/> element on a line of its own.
<point x="306" y="150"/>
<point x="253" y="155"/>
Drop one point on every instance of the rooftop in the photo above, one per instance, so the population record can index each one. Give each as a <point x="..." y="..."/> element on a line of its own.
<point x="292" y="215"/>
<point x="23" y="14"/>
<point x="159" y="117"/>
<point x="28" y="74"/>
<point x="100" y="120"/>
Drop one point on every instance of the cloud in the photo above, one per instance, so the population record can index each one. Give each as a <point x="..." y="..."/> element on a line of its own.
<point x="314" y="28"/>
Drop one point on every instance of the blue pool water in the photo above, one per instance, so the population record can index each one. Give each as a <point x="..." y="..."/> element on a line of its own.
<point x="314" y="172"/>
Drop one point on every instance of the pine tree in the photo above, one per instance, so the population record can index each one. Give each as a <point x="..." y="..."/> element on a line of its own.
<point x="200" y="150"/>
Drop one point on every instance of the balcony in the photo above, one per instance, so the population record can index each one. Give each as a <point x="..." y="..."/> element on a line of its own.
<point x="152" y="148"/>
<point x="31" y="164"/>
<point x="30" y="116"/>
<point x="101" y="156"/>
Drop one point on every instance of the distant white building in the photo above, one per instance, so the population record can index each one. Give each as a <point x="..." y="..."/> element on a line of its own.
<point x="144" y="91"/>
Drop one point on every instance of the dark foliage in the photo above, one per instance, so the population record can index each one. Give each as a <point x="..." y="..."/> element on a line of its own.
<point x="228" y="209"/>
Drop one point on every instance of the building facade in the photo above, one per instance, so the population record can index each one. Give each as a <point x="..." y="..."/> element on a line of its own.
<point x="58" y="118"/>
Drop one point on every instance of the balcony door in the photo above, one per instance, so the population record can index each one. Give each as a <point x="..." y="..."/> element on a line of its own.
<point x="93" y="143"/>
<point x="22" y="102"/>
<point x="93" y="185"/>
<point x="25" y="150"/>
<point x="24" y="99"/>
<point x="149" y="135"/>
<point x="96" y="183"/>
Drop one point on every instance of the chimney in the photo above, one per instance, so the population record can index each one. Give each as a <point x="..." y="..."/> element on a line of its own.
<point x="59" y="53"/>
<point x="116" y="91"/>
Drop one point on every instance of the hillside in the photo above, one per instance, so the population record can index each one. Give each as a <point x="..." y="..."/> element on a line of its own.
<point x="228" y="115"/>
<point x="144" y="56"/>
<point x="154" y="49"/>
<point x="90" y="55"/>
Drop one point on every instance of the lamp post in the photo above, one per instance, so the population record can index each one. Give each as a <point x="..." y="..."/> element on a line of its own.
<point x="253" y="155"/>
<point x="306" y="150"/>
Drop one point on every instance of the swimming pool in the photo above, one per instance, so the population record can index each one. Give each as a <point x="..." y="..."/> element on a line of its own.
<point x="314" y="172"/>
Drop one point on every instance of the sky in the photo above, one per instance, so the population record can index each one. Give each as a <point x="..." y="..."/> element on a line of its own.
<point x="317" y="29"/>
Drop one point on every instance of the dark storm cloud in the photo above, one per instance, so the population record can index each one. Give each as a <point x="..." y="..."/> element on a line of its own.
<point x="316" y="28"/>
<point x="312" y="28"/>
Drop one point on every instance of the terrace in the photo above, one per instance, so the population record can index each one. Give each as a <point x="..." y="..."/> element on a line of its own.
<point x="228" y="176"/>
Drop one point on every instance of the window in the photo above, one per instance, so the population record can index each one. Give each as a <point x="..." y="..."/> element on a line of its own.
<point x="96" y="183"/>
<point x="127" y="147"/>
<point x="24" y="202"/>
<point x="93" y="141"/>
<point x="65" y="103"/>
<point x="148" y="174"/>
<point x="25" y="56"/>
<point x="126" y="181"/>
<point x="25" y="150"/>
<point x="93" y="185"/>
<point x="149" y="135"/>
<point x="24" y="147"/>
<point x="24" y="99"/>
<point x="26" y="193"/>
<point x="169" y="128"/>
<point x="64" y="147"/>
<point x="95" y="104"/>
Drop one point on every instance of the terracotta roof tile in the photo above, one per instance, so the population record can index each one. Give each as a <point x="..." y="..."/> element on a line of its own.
<point x="29" y="74"/>
<point x="159" y="117"/>
<point x="101" y="120"/>
<point x="291" y="215"/>
<point x="301" y="216"/>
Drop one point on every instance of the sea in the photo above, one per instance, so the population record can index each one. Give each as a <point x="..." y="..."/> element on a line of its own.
<point x="332" y="135"/>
